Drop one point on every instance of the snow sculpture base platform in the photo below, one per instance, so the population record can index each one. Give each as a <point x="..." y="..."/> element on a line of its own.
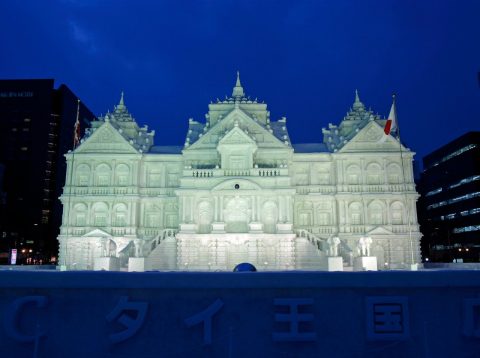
<point x="136" y="264"/>
<point x="106" y="264"/>
<point x="335" y="263"/>
<point x="365" y="263"/>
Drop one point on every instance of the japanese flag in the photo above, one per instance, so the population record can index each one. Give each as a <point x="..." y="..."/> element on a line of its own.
<point x="391" y="124"/>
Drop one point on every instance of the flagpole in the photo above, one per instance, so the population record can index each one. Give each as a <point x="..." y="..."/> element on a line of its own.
<point x="75" y="144"/>
<point x="407" y="205"/>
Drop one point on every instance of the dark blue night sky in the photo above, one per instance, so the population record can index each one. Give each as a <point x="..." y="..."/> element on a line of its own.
<point x="304" y="58"/>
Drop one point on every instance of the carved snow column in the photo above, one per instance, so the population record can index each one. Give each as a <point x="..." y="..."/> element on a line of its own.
<point x="192" y="204"/>
<point x="218" y="226"/>
<point x="335" y="214"/>
<point x="221" y="208"/>
<point x="187" y="223"/>
<point x="253" y="205"/>
<point x="134" y="174"/>
<point x="88" y="219"/>
<point x="255" y="224"/>
<point x="92" y="175"/>
<point x="385" y="174"/>
<point x="258" y="202"/>
<point x="363" y="172"/>
<point x="281" y="209"/>
<point x="188" y="210"/>
<point x="343" y="206"/>
<point x="114" y="171"/>
<point x="284" y="224"/>
<point x="182" y="208"/>
<point x="414" y="213"/>
<point x="289" y="209"/>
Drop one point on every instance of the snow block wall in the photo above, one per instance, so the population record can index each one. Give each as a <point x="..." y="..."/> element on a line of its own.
<point x="283" y="314"/>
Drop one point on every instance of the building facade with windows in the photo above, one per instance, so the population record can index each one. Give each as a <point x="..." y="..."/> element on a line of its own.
<point x="237" y="191"/>
<point x="36" y="130"/>
<point x="449" y="210"/>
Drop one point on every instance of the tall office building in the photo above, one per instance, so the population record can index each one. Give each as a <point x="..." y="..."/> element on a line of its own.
<point x="449" y="208"/>
<point x="36" y="130"/>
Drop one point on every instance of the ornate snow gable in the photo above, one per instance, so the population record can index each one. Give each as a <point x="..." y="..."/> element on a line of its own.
<point x="371" y="138"/>
<point x="106" y="139"/>
<point x="263" y="137"/>
<point x="237" y="137"/>
<point x="237" y="149"/>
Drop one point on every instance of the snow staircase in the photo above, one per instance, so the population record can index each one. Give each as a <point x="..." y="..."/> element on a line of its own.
<point x="163" y="252"/>
<point x="310" y="251"/>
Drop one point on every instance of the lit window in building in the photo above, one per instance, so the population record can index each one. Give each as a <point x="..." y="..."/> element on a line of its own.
<point x="465" y="181"/>
<point x="454" y="154"/>
<point x="454" y="200"/>
<point x="436" y="205"/>
<point x="466" y="229"/>
<point x="464" y="197"/>
<point x="462" y="213"/>
<point x="433" y="192"/>
<point x="45" y="215"/>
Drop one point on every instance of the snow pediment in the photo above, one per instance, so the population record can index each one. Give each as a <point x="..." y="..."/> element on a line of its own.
<point x="106" y="139"/>
<point x="263" y="136"/>
<point x="237" y="137"/>
<point x="97" y="233"/>
<point x="379" y="230"/>
<point x="371" y="138"/>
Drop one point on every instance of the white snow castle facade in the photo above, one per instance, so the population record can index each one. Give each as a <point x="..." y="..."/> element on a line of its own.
<point x="239" y="191"/>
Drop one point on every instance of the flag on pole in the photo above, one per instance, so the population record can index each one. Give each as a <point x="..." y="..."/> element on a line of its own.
<point x="391" y="123"/>
<point x="76" y="128"/>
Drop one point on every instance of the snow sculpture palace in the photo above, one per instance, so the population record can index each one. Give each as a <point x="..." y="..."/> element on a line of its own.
<point x="239" y="191"/>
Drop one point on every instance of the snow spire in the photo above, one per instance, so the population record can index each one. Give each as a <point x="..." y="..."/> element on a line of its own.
<point x="121" y="104"/>
<point x="238" y="89"/>
<point x="357" y="104"/>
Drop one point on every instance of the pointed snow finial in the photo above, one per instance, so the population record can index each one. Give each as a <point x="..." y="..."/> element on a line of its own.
<point x="121" y="104"/>
<point x="357" y="104"/>
<point x="238" y="89"/>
